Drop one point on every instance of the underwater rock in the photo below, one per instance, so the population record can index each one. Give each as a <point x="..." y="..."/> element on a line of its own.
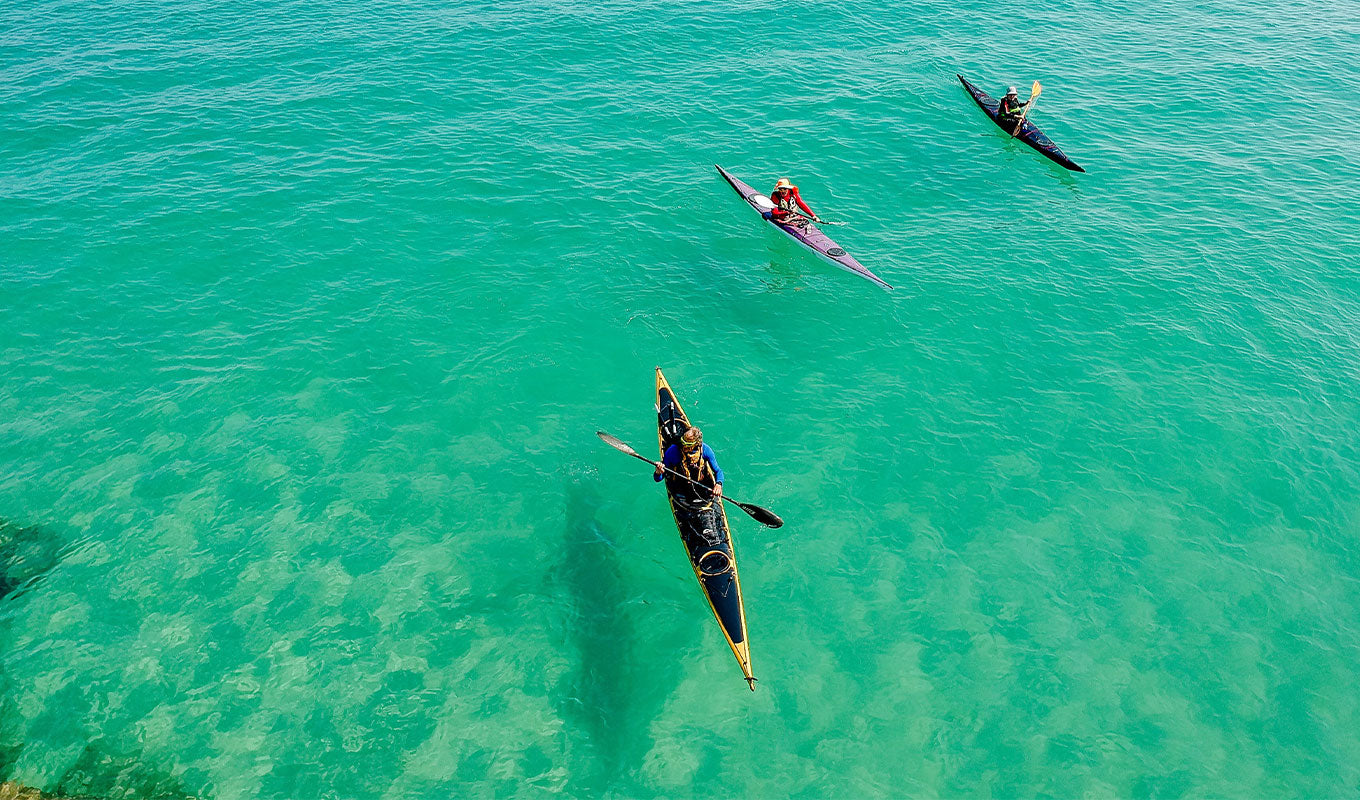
<point x="13" y="791"/>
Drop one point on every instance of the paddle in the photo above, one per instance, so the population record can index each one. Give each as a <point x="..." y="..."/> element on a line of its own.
<point x="814" y="219"/>
<point x="1034" y="92"/>
<point x="764" y="516"/>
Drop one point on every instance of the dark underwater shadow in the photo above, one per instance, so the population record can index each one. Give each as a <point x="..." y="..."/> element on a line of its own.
<point x="27" y="554"/>
<point x="611" y="695"/>
<point x="790" y="265"/>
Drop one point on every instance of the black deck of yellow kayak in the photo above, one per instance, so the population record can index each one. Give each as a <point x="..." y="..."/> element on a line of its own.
<point x="703" y="530"/>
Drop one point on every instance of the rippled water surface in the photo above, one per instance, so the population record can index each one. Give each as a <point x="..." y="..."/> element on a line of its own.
<point x="309" y="312"/>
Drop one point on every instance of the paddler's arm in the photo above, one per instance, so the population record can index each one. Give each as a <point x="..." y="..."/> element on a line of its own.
<point x="671" y="458"/>
<point x="712" y="460"/>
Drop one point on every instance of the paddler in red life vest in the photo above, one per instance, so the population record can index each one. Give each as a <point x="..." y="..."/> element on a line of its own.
<point x="695" y="460"/>
<point x="787" y="204"/>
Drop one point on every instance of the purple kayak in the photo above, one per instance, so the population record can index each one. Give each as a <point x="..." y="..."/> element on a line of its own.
<point x="803" y="232"/>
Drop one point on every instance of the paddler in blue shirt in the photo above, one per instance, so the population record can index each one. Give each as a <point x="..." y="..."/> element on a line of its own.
<point x="1010" y="106"/>
<point x="695" y="460"/>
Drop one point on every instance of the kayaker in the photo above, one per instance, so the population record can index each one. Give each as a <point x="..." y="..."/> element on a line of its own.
<point x="1010" y="107"/>
<point x="695" y="460"/>
<point x="787" y="203"/>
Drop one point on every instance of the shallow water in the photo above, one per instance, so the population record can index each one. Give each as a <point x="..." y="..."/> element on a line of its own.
<point x="310" y="311"/>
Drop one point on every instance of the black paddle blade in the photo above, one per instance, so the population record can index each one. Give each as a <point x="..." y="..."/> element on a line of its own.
<point x="764" y="516"/>
<point x="615" y="443"/>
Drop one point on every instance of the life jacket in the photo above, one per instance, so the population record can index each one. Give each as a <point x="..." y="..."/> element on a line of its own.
<point x="696" y="471"/>
<point x="787" y="203"/>
<point x="688" y="495"/>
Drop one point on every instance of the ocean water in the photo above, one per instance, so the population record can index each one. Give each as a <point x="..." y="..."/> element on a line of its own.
<point x="309" y="311"/>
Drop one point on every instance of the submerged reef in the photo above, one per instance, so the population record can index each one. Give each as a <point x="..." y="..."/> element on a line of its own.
<point x="27" y="555"/>
<point x="13" y="791"/>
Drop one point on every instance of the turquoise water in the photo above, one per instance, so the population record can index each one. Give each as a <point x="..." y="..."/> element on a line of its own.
<point x="309" y="312"/>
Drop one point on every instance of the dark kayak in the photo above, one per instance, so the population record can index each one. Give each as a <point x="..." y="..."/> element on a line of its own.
<point x="1029" y="134"/>
<point x="703" y="530"/>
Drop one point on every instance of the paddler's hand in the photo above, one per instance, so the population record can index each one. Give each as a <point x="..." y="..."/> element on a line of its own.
<point x="717" y="492"/>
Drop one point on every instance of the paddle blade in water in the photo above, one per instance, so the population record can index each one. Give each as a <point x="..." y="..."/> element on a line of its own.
<point x="762" y="515"/>
<point x="615" y="443"/>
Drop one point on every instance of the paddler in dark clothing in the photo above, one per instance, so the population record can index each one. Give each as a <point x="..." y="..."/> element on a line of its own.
<point x="787" y="204"/>
<point x="695" y="460"/>
<point x="1010" y="107"/>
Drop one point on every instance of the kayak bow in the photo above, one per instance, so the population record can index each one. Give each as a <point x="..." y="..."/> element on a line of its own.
<point x="1028" y="133"/>
<point x="803" y="232"/>
<point x="703" y="530"/>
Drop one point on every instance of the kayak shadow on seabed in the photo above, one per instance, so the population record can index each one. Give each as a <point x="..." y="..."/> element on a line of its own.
<point x="1018" y="156"/>
<point x="605" y="616"/>
<point x="27" y="555"/>
<point x="785" y="272"/>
